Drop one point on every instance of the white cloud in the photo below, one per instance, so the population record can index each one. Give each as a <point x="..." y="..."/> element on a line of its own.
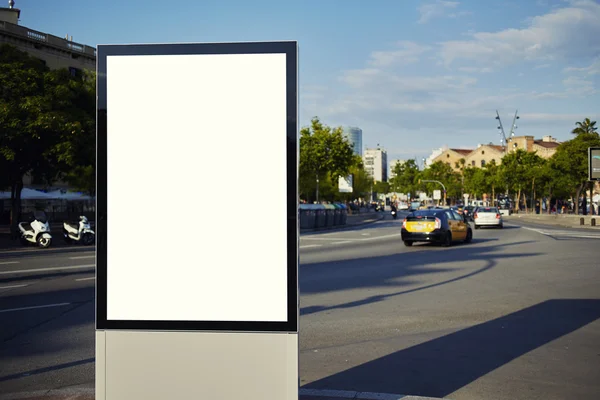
<point x="542" y="66"/>
<point x="568" y="32"/>
<point x="407" y="52"/>
<point x="592" y="69"/>
<point x="476" y="70"/>
<point x="436" y="9"/>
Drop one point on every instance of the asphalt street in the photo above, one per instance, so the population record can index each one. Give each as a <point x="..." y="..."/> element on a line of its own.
<point x="514" y="314"/>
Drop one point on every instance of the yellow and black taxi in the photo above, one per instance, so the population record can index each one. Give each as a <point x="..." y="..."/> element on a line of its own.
<point x="436" y="225"/>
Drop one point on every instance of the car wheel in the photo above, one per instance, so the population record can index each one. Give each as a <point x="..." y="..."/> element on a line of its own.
<point x="476" y="226"/>
<point x="469" y="237"/>
<point x="408" y="243"/>
<point x="501" y="226"/>
<point x="447" y="240"/>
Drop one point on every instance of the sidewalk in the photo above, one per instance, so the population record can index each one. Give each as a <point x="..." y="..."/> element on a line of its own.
<point x="560" y="220"/>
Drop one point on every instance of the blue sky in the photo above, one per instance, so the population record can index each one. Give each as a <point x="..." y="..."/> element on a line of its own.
<point x="414" y="75"/>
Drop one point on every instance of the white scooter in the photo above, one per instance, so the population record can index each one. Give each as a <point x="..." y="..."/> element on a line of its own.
<point x="36" y="231"/>
<point x="79" y="232"/>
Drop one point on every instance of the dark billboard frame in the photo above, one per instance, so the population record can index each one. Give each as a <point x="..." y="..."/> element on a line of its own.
<point x="290" y="49"/>
<point x="591" y="151"/>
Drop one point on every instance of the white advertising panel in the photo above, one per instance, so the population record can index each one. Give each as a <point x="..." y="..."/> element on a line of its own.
<point x="178" y="128"/>
<point x="345" y="184"/>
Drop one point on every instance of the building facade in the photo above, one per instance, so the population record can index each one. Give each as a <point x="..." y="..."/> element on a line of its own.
<point x="376" y="166"/>
<point x="354" y="136"/>
<point x="452" y="157"/>
<point x="393" y="163"/>
<point x="485" y="154"/>
<point x="545" y="147"/>
<point x="56" y="52"/>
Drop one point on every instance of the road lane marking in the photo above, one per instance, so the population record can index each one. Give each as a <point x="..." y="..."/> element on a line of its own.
<point x="306" y="246"/>
<point x="85" y="279"/>
<point x="24" y="271"/>
<point x="13" y="286"/>
<point x="344" y="242"/>
<point x="8" y="262"/>
<point x="34" y="307"/>
<point x="81" y="257"/>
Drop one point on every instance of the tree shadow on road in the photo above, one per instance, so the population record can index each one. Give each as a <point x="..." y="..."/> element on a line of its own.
<point x="385" y="271"/>
<point x="440" y="367"/>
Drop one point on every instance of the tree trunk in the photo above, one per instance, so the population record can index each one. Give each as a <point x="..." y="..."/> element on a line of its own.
<point x="518" y="201"/>
<point x="525" y="201"/>
<point x="15" y="207"/>
<point x="579" y="189"/>
<point x="493" y="197"/>
<point x="549" y="205"/>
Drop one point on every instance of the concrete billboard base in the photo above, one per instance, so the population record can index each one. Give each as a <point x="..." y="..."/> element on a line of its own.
<point x="135" y="365"/>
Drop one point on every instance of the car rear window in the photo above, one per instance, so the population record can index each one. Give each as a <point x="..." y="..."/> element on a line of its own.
<point x="489" y="209"/>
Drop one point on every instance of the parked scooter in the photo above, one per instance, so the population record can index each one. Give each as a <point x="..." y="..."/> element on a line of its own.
<point x="394" y="212"/>
<point x="36" y="231"/>
<point x="79" y="232"/>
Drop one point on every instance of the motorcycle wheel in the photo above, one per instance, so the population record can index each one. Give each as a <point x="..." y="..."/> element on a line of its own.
<point x="43" y="242"/>
<point x="88" y="239"/>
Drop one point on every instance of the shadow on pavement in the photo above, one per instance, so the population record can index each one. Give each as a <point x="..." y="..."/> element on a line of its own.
<point x="385" y="271"/>
<point x="441" y="366"/>
<point x="47" y="369"/>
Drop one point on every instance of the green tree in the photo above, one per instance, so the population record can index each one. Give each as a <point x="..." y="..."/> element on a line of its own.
<point x="517" y="169"/>
<point x="324" y="154"/>
<point x="41" y="121"/>
<point x="570" y="165"/>
<point x="585" y="127"/>
<point x="405" y="181"/>
<point x="442" y="172"/>
<point x="381" y="187"/>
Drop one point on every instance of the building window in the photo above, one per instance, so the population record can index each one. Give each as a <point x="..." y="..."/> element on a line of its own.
<point x="74" y="71"/>
<point x="482" y="151"/>
<point x="483" y="163"/>
<point x="447" y="155"/>
<point x="473" y="163"/>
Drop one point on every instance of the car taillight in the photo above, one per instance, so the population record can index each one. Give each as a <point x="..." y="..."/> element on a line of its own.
<point x="438" y="223"/>
<point x="404" y="223"/>
<point x="497" y="216"/>
<point x="475" y="215"/>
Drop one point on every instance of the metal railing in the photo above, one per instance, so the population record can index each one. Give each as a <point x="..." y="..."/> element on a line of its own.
<point x="55" y="41"/>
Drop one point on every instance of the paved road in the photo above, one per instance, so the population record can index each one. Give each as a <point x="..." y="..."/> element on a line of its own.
<point x="515" y="314"/>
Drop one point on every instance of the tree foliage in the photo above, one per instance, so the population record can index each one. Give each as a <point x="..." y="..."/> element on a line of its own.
<point x="47" y="121"/>
<point x="325" y="155"/>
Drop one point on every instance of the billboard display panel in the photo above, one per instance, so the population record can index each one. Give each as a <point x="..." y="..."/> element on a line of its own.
<point x="176" y="123"/>
<point x="594" y="162"/>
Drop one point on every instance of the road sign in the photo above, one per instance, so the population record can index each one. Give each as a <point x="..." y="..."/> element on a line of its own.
<point x="437" y="194"/>
<point x="196" y="325"/>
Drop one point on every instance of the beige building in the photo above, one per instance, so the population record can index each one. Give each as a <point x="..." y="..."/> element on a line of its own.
<point x="55" y="52"/>
<point x="545" y="147"/>
<point x="452" y="157"/>
<point x="484" y="154"/>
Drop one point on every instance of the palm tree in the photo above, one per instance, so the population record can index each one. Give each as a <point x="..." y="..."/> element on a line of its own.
<point x="585" y="127"/>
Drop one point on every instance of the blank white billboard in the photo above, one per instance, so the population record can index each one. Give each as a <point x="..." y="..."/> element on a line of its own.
<point x="181" y="131"/>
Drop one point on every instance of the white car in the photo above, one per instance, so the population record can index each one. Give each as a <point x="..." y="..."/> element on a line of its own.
<point x="487" y="216"/>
